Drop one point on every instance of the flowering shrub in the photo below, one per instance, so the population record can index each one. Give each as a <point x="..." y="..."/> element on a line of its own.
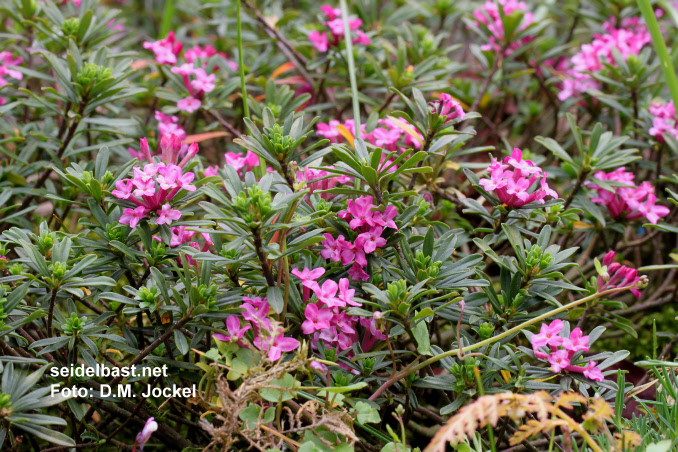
<point x="295" y="226"/>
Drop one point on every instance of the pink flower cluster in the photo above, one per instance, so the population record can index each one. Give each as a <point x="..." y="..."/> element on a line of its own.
<point x="511" y="185"/>
<point x="196" y="80"/>
<point x="387" y="135"/>
<point x="153" y="186"/>
<point x="630" y="201"/>
<point x="335" y="24"/>
<point x="370" y="224"/>
<point x="629" y="39"/>
<point x="317" y="179"/>
<point x="238" y="162"/>
<point x="448" y="107"/>
<point x="6" y="61"/>
<point x="560" y="358"/>
<point x="664" y="121"/>
<point x="490" y="16"/>
<point x="617" y="275"/>
<point x="166" y="50"/>
<point x="326" y="320"/>
<point x="256" y="311"/>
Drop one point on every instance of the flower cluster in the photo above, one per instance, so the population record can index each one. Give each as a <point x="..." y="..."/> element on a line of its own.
<point x="335" y="27"/>
<point x="561" y="349"/>
<point x="628" y="201"/>
<point x="664" y="121"/>
<point x="613" y="275"/>
<point x="193" y="72"/>
<point x="153" y="186"/>
<point x="511" y="185"/>
<point x="317" y="179"/>
<point x="6" y="60"/>
<point x="325" y="319"/>
<point x="628" y="40"/>
<point x="370" y="224"/>
<point x="491" y="17"/>
<point x="256" y="311"/>
<point x="387" y="135"/>
<point x="447" y="108"/>
<point x="166" y="50"/>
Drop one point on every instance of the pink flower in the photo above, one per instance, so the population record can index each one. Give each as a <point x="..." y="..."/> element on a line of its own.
<point x="490" y="16"/>
<point x="386" y="219"/>
<point x="203" y="82"/>
<point x="149" y="427"/>
<point x="279" y="344"/>
<point x="548" y="335"/>
<point x="329" y="130"/>
<point x="133" y="216"/>
<point x="166" y="50"/>
<point x="123" y="189"/>
<point x="628" y="40"/>
<point x="326" y="293"/>
<point x="371" y="240"/>
<point x="166" y="215"/>
<point x="212" y="171"/>
<point x="576" y="341"/>
<point x="308" y="276"/>
<point x="346" y="294"/>
<point x="319" y="367"/>
<point x="628" y="201"/>
<point x="512" y="186"/>
<point x="447" y="107"/>
<point x="318" y="40"/>
<point x="617" y="275"/>
<point x="559" y="360"/>
<point x="316" y="319"/>
<point x="189" y="104"/>
<point x="332" y="248"/>
<point x="357" y="273"/>
<point x="592" y="372"/>
<point x="233" y="326"/>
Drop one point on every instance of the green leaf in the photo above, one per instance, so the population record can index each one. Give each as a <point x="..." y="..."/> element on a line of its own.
<point x="275" y="299"/>
<point x="281" y="395"/>
<point x="367" y="413"/>
<point x="420" y="332"/>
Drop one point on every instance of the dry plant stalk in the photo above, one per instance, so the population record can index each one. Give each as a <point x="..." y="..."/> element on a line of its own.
<point x="487" y="410"/>
<point x="231" y="428"/>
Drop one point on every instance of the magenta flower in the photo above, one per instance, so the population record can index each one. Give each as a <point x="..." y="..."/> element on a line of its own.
<point x="165" y="50"/>
<point x="332" y="249"/>
<point x="319" y="40"/>
<point x="548" y="335"/>
<point x="233" y="327"/>
<point x="166" y="215"/>
<point x="346" y="294"/>
<point x="559" y="360"/>
<point x="279" y="344"/>
<point x="316" y="319"/>
<point x="447" y="108"/>
<point x="511" y="186"/>
<point x="326" y="293"/>
<point x="576" y="341"/>
<point x="319" y="367"/>
<point x="146" y="432"/>
<point x="329" y="130"/>
<point x="371" y="240"/>
<point x="593" y="57"/>
<point x="203" y="82"/>
<point x="123" y="189"/>
<point x="308" y="277"/>
<point x="357" y="273"/>
<point x="189" y="104"/>
<point x="133" y="216"/>
<point x="628" y="201"/>
<point x="617" y="275"/>
<point x="490" y="16"/>
<point x="592" y="372"/>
